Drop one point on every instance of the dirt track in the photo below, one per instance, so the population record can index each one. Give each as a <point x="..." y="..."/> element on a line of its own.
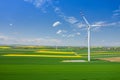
<point x="114" y="59"/>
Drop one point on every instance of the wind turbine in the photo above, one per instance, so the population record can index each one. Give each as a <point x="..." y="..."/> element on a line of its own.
<point x="88" y="30"/>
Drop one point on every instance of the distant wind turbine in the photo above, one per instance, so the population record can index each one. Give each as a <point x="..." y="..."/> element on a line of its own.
<point x="88" y="29"/>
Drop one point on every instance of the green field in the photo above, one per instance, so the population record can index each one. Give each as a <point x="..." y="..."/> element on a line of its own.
<point x="16" y="67"/>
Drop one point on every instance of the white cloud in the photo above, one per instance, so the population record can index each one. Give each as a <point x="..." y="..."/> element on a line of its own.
<point x="39" y="3"/>
<point x="80" y="25"/>
<point x="33" y="41"/>
<point x="71" y="20"/>
<point x="42" y="4"/>
<point x="58" y="11"/>
<point x="117" y="23"/>
<point x="38" y="40"/>
<point x="95" y="26"/>
<point x="61" y="32"/>
<point x="57" y="23"/>
<point x="78" y="33"/>
<point x="116" y="13"/>
<point x="98" y="24"/>
<point x="71" y="35"/>
<point x="105" y="24"/>
<point x="3" y="38"/>
<point x="64" y="33"/>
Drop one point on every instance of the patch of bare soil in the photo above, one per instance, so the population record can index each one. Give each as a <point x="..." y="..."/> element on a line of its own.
<point x="113" y="59"/>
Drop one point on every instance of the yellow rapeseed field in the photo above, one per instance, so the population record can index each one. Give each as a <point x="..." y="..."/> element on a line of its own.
<point x="54" y="56"/>
<point x="53" y="52"/>
<point x="4" y="47"/>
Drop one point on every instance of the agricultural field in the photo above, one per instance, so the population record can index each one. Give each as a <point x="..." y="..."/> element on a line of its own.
<point x="49" y="63"/>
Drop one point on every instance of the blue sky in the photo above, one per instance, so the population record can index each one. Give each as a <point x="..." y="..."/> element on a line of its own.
<point x="58" y="22"/>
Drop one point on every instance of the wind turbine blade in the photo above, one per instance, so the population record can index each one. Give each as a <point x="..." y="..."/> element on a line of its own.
<point x="85" y="20"/>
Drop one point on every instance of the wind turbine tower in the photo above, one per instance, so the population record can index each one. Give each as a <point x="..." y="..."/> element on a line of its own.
<point x="88" y="30"/>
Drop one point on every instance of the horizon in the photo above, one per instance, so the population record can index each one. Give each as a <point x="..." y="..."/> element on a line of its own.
<point x="19" y="45"/>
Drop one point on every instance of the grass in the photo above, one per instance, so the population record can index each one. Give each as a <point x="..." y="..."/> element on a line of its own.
<point x="47" y="68"/>
<point x="60" y="72"/>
